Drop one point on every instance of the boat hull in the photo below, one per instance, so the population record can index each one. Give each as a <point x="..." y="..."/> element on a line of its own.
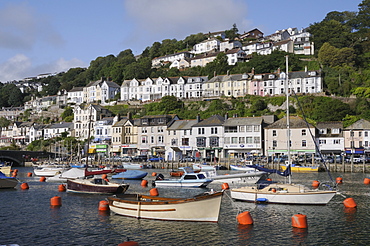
<point x="200" y="209"/>
<point x="301" y="169"/>
<point x="184" y="183"/>
<point x="5" y="169"/>
<point x="89" y="186"/>
<point x="8" y="183"/>
<point x="130" y="174"/>
<point x="237" y="178"/>
<point x="276" y="194"/>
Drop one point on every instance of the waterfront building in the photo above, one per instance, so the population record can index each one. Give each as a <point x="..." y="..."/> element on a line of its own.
<point x="330" y="139"/>
<point x="301" y="141"/>
<point x="152" y="134"/>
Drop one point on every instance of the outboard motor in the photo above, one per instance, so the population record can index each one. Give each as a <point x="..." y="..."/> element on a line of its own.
<point x="159" y="177"/>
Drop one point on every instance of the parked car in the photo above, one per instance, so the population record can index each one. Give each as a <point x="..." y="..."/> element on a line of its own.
<point x="154" y="158"/>
<point x="90" y="158"/>
<point x="140" y="158"/>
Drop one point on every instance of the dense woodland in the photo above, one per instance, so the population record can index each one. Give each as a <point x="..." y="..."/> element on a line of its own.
<point x="342" y="52"/>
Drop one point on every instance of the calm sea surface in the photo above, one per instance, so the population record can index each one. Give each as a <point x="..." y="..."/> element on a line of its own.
<point x="27" y="218"/>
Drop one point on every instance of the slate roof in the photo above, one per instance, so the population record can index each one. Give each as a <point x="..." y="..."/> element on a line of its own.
<point x="294" y="122"/>
<point x="330" y="124"/>
<point x="359" y="125"/>
<point x="182" y="125"/>
<point x="240" y="121"/>
<point x="215" y="120"/>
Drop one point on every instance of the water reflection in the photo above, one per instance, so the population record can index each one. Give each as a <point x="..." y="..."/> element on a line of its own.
<point x="299" y="236"/>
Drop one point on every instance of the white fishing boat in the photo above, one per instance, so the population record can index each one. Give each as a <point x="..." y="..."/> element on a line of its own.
<point x="203" y="167"/>
<point x="201" y="208"/>
<point x="251" y="176"/>
<point x="49" y="169"/>
<point x="188" y="179"/>
<point x="73" y="173"/>
<point x="284" y="193"/>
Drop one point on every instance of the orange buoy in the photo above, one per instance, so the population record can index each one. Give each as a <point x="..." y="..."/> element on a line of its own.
<point x="225" y="186"/>
<point x="244" y="218"/>
<point x="42" y="179"/>
<point x="269" y="179"/>
<point x="315" y="184"/>
<point x="14" y="174"/>
<point x="24" y="186"/>
<point x="153" y="192"/>
<point x="299" y="221"/>
<point x="154" y="174"/>
<point x="103" y="205"/>
<point x="104" y="176"/>
<point x="349" y="203"/>
<point x="129" y="243"/>
<point x="144" y="182"/>
<point x="62" y="188"/>
<point x="56" y="201"/>
<point x="29" y="174"/>
<point x="366" y="181"/>
<point x="339" y="180"/>
<point x="15" y="170"/>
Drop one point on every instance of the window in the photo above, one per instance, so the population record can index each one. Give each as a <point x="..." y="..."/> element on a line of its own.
<point x="231" y="129"/>
<point x="201" y="142"/>
<point x="304" y="143"/>
<point x="322" y="141"/>
<point x="227" y="140"/>
<point x="160" y="139"/>
<point x="249" y="140"/>
<point x="274" y="133"/>
<point x="185" y="141"/>
<point x="234" y="140"/>
<point x="304" y="132"/>
<point x="359" y="134"/>
<point x="352" y="134"/>
<point x="249" y="128"/>
<point x="200" y="131"/>
<point x="257" y="140"/>
<point x="336" y="141"/>
<point x="256" y="128"/>
<point x="274" y="144"/>
<point x="241" y="140"/>
<point x="241" y="128"/>
<point x="152" y="139"/>
<point x="213" y="142"/>
<point x="143" y="140"/>
<point x="213" y="130"/>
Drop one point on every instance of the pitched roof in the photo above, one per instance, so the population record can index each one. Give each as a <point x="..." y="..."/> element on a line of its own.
<point x="215" y="120"/>
<point x="294" y="122"/>
<point x="237" y="121"/>
<point x="359" y="125"/>
<point x="182" y="125"/>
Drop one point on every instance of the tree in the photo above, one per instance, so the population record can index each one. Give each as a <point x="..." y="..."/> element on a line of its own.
<point x="232" y="33"/>
<point x="169" y="104"/>
<point x="363" y="16"/>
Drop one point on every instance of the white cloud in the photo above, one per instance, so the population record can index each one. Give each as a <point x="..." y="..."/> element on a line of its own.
<point x="20" y="67"/>
<point x="163" y="19"/>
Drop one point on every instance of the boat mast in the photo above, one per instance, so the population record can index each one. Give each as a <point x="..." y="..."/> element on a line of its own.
<point x="88" y="137"/>
<point x="287" y="113"/>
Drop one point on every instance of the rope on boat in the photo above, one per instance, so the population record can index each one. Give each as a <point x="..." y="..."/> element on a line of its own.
<point x="313" y="138"/>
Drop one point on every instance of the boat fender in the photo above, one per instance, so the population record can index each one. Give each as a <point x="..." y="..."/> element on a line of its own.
<point x="262" y="200"/>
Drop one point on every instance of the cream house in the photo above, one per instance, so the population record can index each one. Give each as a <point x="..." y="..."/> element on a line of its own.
<point x="301" y="142"/>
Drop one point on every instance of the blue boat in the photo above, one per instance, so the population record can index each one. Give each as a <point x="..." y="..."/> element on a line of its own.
<point x="130" y="174"/>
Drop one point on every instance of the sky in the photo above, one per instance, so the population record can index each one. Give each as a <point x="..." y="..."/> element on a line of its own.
<point x="52" y="36"/>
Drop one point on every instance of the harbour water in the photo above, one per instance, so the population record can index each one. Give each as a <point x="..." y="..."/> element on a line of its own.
<point x="28" y="220"/>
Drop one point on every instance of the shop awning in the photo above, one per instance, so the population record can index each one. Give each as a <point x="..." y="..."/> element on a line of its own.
<point x="176" y="149"/>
